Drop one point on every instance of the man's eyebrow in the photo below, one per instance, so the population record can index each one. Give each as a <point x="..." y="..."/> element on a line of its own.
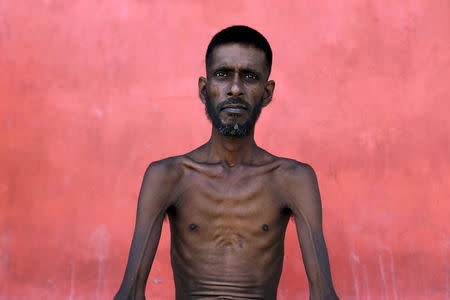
<point x="244" y="70"/>
<point x="222" y="68"/>
<point x="249" y="70"/>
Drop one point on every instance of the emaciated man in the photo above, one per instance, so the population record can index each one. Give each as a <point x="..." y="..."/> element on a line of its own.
<point x="229" y="201"/>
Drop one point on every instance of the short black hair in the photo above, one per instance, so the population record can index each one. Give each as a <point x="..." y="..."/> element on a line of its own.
<point x="241" y="34"/>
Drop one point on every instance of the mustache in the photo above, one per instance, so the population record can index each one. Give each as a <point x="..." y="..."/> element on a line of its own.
<point x="233" y="101"/>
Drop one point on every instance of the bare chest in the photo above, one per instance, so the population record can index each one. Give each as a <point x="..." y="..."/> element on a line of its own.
<point x="230" y="212"/>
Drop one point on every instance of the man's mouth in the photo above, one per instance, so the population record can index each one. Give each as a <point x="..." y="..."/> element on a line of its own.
<point x="234" y="106"/>
<point x="234" y="109"/>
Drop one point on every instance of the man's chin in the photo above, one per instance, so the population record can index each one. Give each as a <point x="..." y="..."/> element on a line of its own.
<point x="229" y="127"/>
<point x="234" y="130"/>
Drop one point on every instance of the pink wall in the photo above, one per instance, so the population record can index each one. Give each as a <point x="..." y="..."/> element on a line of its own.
<point x="92" y="91"/>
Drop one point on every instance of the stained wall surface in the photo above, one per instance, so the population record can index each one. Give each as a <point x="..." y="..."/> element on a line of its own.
<point x="92" y="91"/>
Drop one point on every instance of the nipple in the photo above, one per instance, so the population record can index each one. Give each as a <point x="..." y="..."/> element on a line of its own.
<point x="193" y="226"/>
<point x="265" y="227"/>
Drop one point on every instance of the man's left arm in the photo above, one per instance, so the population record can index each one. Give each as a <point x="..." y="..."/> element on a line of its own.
<point x="307" y="210"/>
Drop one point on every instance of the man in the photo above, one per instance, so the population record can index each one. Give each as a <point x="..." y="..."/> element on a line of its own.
<point x="229" y="201"/>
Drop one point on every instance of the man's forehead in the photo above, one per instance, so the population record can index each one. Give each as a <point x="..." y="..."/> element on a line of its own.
<point x="238" y="55"/>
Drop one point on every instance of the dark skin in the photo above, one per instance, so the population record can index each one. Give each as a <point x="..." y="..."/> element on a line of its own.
<point x="229" y="203"/>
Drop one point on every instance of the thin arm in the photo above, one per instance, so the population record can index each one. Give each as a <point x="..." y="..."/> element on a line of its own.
<point x="307" y="210"/>
<point x="152" y="204"/>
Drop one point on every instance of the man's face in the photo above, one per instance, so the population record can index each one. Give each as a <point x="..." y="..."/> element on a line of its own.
<point x="236" y="88"/>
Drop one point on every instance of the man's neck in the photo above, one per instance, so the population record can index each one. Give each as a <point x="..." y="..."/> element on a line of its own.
<point x="231" y="151"/>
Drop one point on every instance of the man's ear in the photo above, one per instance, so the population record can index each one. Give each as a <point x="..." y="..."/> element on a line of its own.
<point x="268" y="92"/>
<point x="202" y="89"/>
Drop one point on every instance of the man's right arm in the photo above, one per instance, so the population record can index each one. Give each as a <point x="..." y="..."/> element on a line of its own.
<point x="154" y="199"/>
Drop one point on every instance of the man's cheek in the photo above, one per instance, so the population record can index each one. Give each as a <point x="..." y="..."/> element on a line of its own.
<point x="214" y="92"/>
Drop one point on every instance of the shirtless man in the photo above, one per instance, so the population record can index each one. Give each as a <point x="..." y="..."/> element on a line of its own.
<point x="229" y="201"/>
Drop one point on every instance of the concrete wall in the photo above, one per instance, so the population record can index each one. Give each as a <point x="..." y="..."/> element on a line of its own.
<point x="92" y="91"/>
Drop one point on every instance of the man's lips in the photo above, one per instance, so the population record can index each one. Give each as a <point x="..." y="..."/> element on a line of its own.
<point x="234" y="107"/>
<point x="234" y="110"/>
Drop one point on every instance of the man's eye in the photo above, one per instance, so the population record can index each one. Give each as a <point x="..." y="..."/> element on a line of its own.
<point x="250" y="76"/>
<point x="221" y="74"/>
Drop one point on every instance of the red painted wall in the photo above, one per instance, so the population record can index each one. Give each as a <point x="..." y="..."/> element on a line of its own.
<point x="92" y="91"/>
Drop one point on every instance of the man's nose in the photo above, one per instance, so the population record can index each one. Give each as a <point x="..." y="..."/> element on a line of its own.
<point x="236" y="86"/>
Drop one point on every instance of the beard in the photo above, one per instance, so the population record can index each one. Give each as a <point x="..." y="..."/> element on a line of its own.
<point x="233" y="128"/>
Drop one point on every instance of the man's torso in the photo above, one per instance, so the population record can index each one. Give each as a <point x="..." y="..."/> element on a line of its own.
<point x="228" y="226"/>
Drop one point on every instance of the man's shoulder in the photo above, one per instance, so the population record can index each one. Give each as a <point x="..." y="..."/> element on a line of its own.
<point x="168" y="168"/>
<point x="171" y="167"/>
<point x="294" y="167"/>
<point x="292" y="170"/>
<point x="299" y="182"/>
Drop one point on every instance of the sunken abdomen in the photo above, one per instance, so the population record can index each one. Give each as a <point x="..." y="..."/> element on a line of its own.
<point x="227" y="268"/>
